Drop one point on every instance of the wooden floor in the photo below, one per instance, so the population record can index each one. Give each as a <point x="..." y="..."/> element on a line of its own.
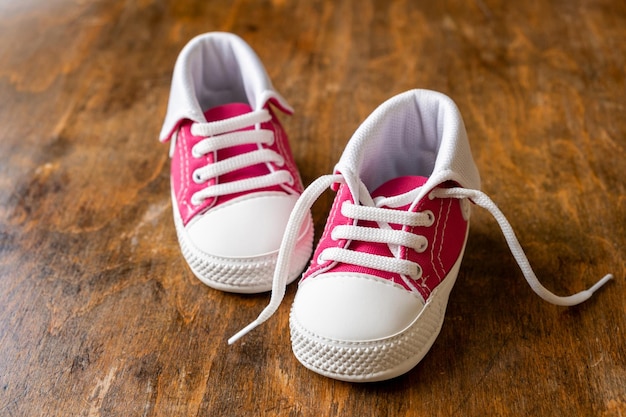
<point x="100" y="315"/>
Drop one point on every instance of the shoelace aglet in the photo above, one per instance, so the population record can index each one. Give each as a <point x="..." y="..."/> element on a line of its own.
<point x="571" y="300"/>
<point x="481" y="199"/>
<point x="241" y="333"/>
<point x="600" y="283"/>
<point x="588" y="293"/>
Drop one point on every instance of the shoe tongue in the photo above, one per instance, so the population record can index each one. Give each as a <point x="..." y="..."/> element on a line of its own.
<point x="399" y="187"/>
<point x="226" y="111"/>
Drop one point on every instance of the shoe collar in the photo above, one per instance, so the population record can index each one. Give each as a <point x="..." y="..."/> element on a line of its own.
<point x="429" y="140"/>
<point x="218" y="56"/>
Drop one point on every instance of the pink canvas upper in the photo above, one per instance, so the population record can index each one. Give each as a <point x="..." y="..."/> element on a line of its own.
<point x="445" y="237"/>
<point x="184" y="163"/>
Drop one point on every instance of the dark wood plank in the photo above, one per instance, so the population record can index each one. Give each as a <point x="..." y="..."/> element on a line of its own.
<point x="100" y="316"/>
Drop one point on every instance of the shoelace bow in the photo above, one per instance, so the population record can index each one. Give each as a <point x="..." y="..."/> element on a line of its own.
<point x="369" y="210"/>
<point x="225" y="134"/>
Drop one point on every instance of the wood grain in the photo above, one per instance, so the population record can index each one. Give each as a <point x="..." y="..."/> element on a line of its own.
<point x="99" y="314"/>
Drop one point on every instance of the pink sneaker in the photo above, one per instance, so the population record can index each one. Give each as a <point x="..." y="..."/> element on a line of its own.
<point x="374" y="298"/>
<point x="233" y="178"/>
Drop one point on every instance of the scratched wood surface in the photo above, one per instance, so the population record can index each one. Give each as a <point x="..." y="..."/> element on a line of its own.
<point x="99" y="314"/>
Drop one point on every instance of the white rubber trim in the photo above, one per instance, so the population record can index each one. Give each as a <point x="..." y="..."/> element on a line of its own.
<point x="376" y="360"/>
<point x="240" y="275"/>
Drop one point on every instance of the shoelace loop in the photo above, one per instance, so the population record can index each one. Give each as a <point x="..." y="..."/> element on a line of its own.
<point x="227" y="133"/>
<point x="312" y="193"/>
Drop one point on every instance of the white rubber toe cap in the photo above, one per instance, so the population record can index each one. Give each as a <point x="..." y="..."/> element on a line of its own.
<point x="246" y="227"/>
<point x="354" y="307"/>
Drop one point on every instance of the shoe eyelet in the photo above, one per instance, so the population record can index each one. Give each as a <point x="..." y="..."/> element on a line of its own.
<point x="422" y="248"/>
<point x="431" y="218"/>
<point x="195" y="153"/>
<point x="291" y="181"/>
<point x="419" y="272"/>
<point x="197" y="178"/>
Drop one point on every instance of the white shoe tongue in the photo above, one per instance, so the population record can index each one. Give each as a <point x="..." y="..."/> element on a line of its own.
<point x="226" y="111"/>
<point x="398" y="192"/>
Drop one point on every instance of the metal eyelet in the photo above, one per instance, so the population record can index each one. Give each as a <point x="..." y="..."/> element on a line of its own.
<point x="419" y="272"/>
<point x="431" y="217"/>
<point x="197" y="178"/>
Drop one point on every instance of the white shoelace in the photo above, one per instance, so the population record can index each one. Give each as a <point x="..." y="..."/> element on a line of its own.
<point x="383" y="234"/>
<point x="369" y="211"/>
<point x="227" y="133"/>
<point x="482" y="200"/>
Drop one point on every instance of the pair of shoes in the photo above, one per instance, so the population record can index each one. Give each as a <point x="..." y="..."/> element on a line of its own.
<point x="373" y="299"/>
<point x="234" y="181"/>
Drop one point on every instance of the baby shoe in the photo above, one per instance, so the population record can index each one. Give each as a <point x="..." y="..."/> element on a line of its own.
<point x="234" y="182"/>
<point x="373" y="299"/>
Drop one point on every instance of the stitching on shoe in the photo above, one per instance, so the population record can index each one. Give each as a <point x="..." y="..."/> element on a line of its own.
<point x="432" y="252"/>
<point x="279" y="140"/>
<point x="184" y="178"/>
<point x="443" y="235"/>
